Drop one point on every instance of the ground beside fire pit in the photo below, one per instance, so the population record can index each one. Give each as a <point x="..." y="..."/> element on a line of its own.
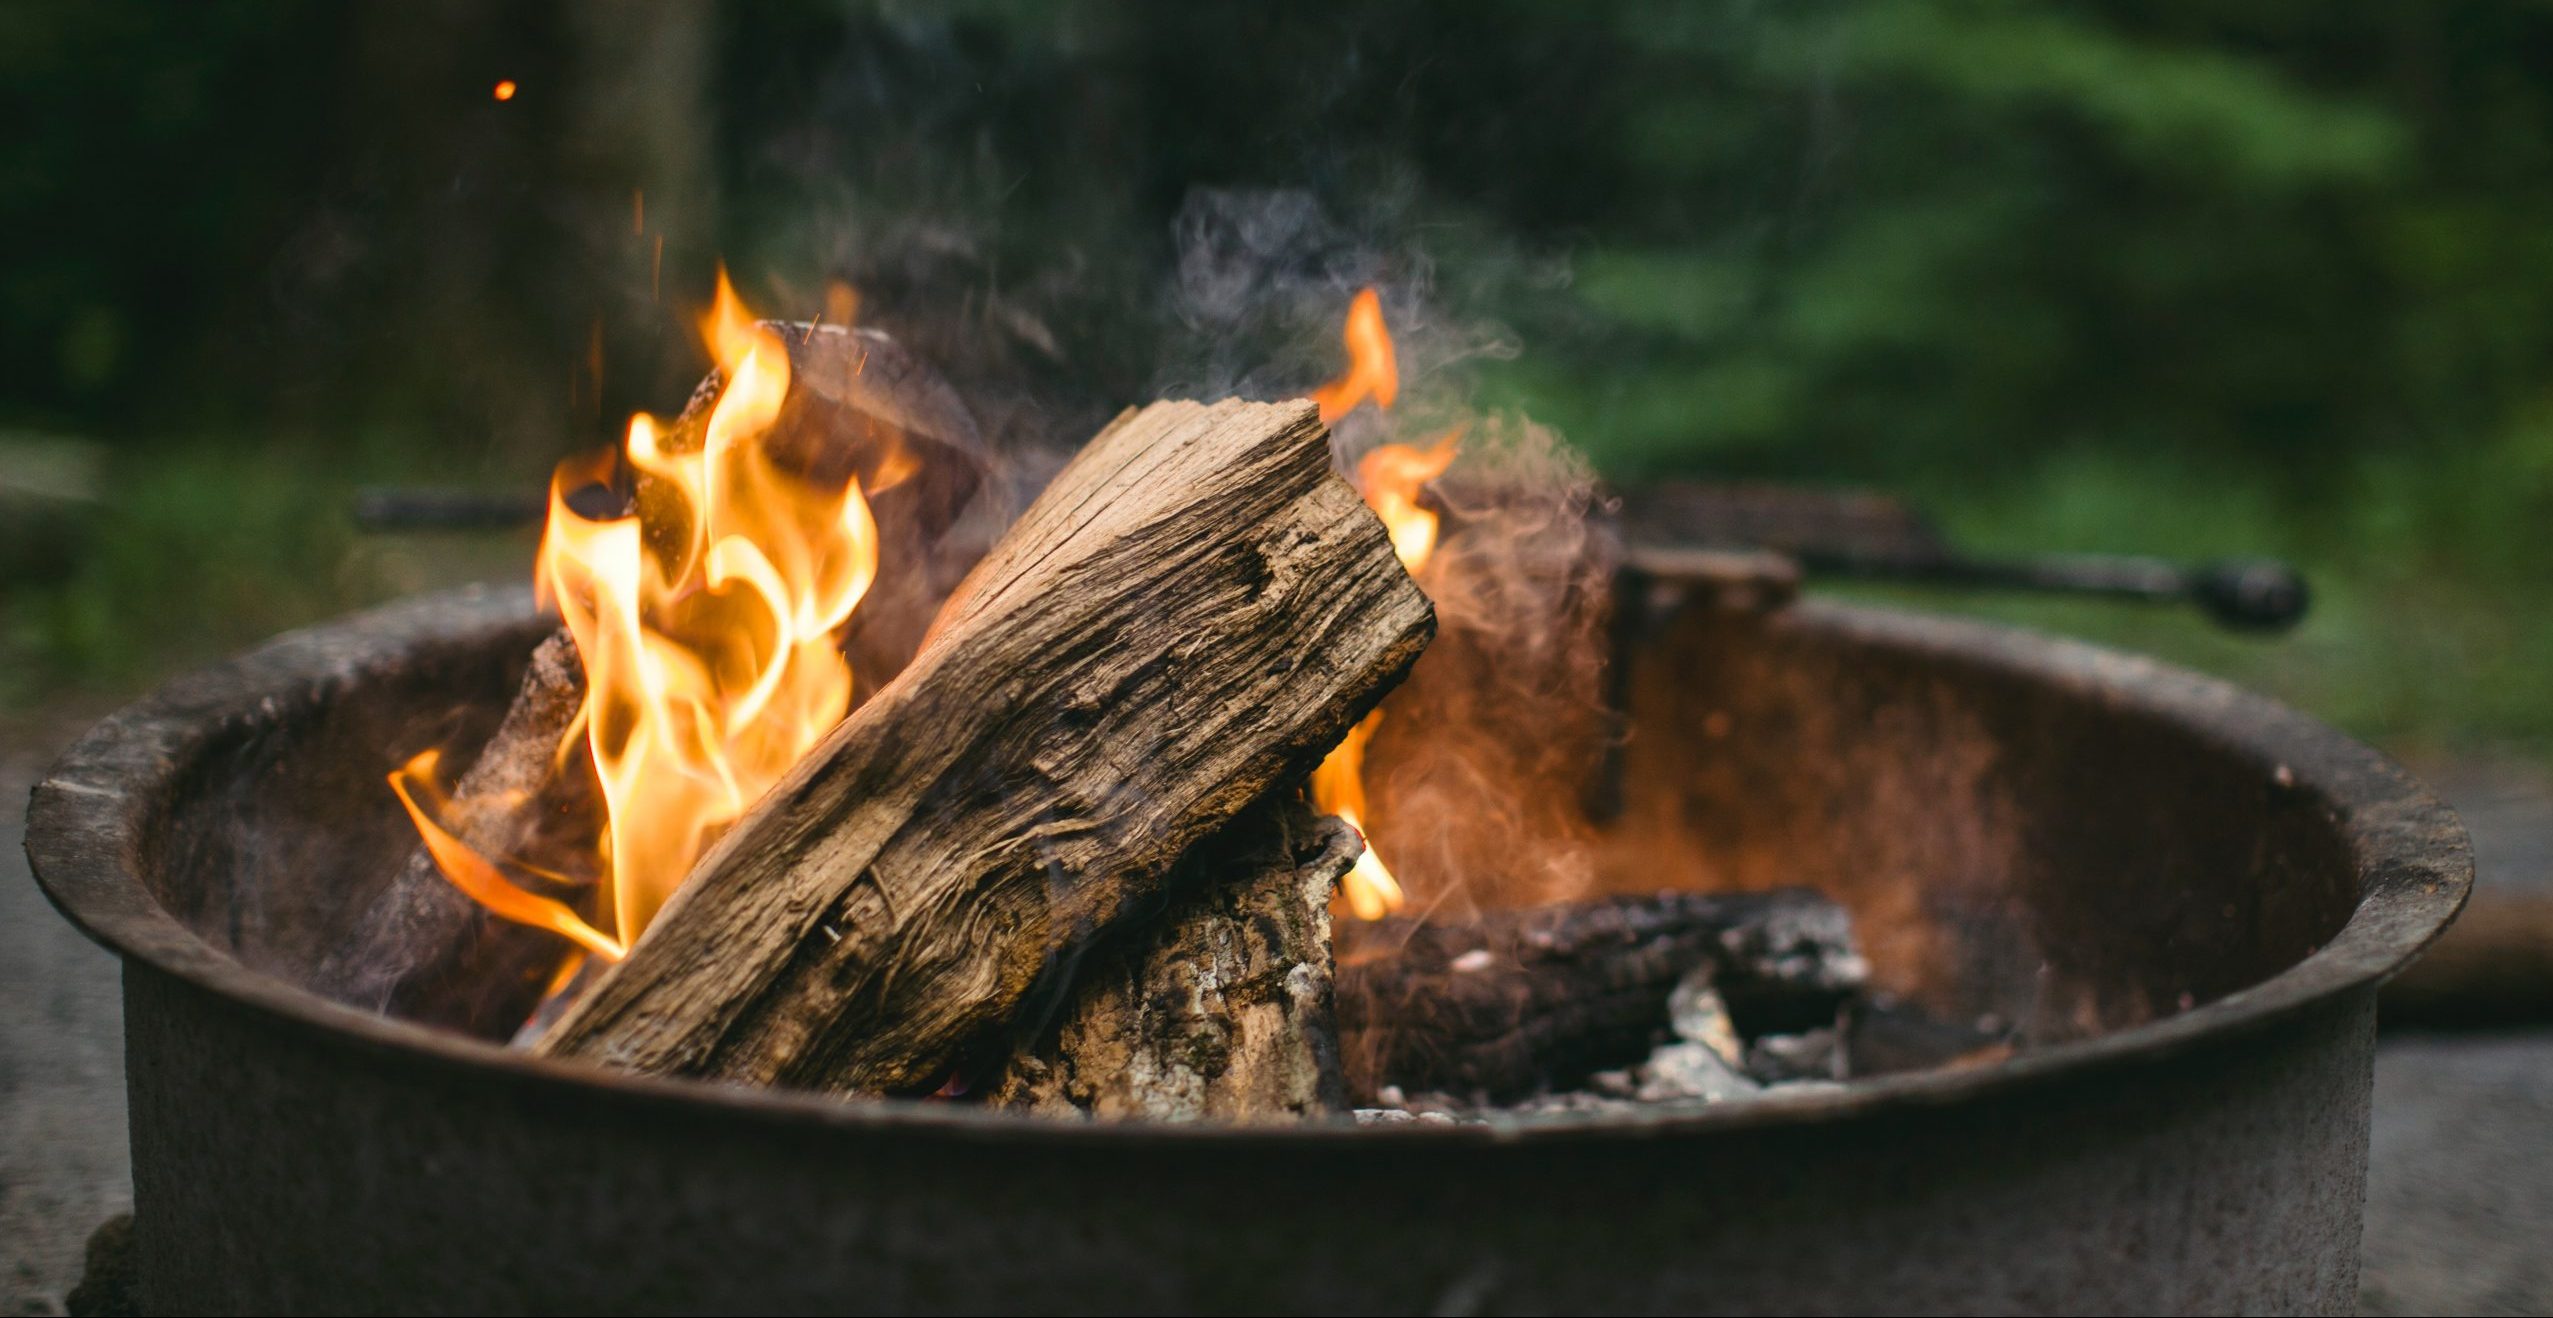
<point x="64" y="1166"/>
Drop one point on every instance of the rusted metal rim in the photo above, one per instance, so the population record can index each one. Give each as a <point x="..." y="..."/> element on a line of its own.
<point x="87" y="826"/>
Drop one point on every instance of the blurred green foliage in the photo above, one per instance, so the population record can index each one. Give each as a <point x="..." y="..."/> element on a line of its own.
<point x="2183" y="278"/>
<point x="2253" y="276"/>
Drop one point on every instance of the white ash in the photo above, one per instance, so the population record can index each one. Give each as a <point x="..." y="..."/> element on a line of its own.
<point x="1392" y="1116"/>
<point x="1808" y="1055"/>
<point x="1697" y="1015"/>
<point x="1691" y="1070"/>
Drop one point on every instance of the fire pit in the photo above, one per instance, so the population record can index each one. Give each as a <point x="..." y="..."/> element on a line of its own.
<point x="2183" y="898"/>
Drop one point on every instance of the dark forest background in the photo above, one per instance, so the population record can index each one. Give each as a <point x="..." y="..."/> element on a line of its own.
<point x="2183" y="276"/>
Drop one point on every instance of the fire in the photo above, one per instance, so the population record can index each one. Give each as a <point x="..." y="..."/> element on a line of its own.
<point x="1389" y="476"/>
<point x="473" y="874"/>
<point x="1373" y="371"/>
<point x="706" y="626"/>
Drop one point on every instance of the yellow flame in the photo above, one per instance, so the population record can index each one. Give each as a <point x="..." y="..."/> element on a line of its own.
<point x="706" y="627"/>
<point x="1338" y="788"/>
<point x="1373" y="370"/>
<point x="1390" y="477"/>
<point x="472" y="873"/>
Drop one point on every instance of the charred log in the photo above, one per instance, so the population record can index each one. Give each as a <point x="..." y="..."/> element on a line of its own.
<point x="1194" y="611"/>
<point x="1520" y="1000"/>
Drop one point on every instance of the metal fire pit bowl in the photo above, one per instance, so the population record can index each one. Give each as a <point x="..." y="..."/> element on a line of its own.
<point x="2183" y="895"/>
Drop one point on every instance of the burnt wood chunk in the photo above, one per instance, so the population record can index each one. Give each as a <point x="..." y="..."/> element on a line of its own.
<point x="1221" y="1010"/>
<point x="426" y="951"/>
<point x="1193" y="612"/>
<point x="1538" y="997"/>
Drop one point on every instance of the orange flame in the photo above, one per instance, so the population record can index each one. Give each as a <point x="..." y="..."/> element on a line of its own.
<point x="1373" y="371"/>
<point x="473" y="874"/>
<point x="706" y="626"/>
<point x="1389" y="476"/>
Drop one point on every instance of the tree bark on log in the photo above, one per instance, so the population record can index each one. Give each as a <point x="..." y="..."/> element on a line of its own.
<point x="1523" y="999"/>
<point x="1194" y="611"/>
<point x="1222" y="1009"/>
<point x="425" y="951"/>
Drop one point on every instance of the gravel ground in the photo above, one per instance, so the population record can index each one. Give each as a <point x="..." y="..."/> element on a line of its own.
<point x="2460" y="1191"/>
<point x="64" y="1167"/>
<point x="2460" y="1184"/>
<point x="2460" y="1196"/>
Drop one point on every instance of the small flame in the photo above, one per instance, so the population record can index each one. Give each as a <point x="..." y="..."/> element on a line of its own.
<point x="706" y="626"/>
<point x="504" y="90"/>
<point x="1389" y="476"/>
<point x="1338" y="788"/>
<point x="1373" y="370"/>
<point x="474" y="875"/>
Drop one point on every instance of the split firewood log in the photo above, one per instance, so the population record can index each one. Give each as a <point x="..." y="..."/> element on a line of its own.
<point x="858" y="406"/>
<point x="1195" y="610"/>
<point x="1221" y="1009"/>
<point x="1522" y="999"/>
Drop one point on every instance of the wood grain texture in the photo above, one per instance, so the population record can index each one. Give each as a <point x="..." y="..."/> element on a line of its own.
<point x="1221" y="1010"/>
<point x="1195" y="610"/>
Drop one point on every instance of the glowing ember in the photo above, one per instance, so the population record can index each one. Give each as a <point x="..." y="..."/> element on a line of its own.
<point x="706" y="626"/>
<point x="504" y="90"/>
<point x="1389" y="476"/>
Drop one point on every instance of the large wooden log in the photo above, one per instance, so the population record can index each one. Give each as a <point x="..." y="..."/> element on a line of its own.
<point x="1194" y="611"/>
<point x="1221" y="1009"/>
<point x="1523" y="999"/>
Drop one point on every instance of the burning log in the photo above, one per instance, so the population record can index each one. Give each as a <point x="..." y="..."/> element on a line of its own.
<point x="1193" y="612"/>
<point x="427" y="952"/>
<point x="859" y="407"/>
<point x="1521" y="999"/>
<point x="1221" y="1011"/>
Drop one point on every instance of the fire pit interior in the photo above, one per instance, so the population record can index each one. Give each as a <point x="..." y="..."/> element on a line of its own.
<point x="2180" y="897"/>
<point x="1139" y="846"/>
<point x="1996" y="870"/>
